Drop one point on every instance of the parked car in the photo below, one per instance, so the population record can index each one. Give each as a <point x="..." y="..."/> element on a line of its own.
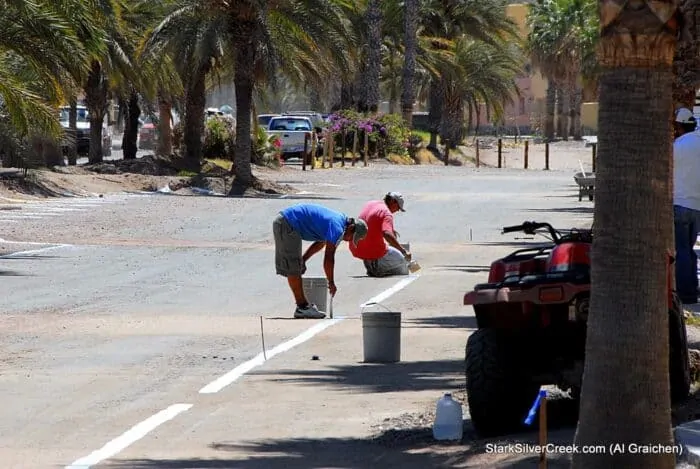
<point x="292" y="132"/>
<point x="83" y="131"/>
<point x="148" y="134"/>
<point x="315" y="117"/>
<point x="264" y="120"/>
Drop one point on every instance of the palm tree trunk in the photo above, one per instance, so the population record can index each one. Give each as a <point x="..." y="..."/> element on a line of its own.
<point x="686" y="63"/>
<point x="73" y="132"/>
<point x="96" y="103"/>
<point x="435" y="105"/>
<point x="315" y="101"/>
<point x="193" y="130"/>
<point x="372" y="74"/>
<point x="452" y="123"/>
<point x="408" y="94"/>
<point x="165" y="134"/>
<point x="131" y="129"/>
<point x="550" y="108"/>
<point x="347" y="95"/>
<point x="562" y="118"/>
<point x="575" y="112"/>
<point x="626" y="396"/>
<point x="244" y="83"/>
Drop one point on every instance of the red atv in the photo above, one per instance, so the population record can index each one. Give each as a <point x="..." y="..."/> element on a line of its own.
<point x="531" y="319"/>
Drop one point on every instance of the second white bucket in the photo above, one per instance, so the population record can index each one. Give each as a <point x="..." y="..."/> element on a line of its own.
<point x="316" y="291"/>
<point x="381" y="337"/>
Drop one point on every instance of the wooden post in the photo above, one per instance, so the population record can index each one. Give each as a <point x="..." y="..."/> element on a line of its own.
<point x="326" y="147"/>
<point x="305" y="155"/>
<point x="366" y="155"/>
<point x="477" y="152"/>
<point x="447" y="152"/>
<point x="343" y="147"/>
<point x="314" y="145"/>
<point x="546" y="156"/>
<point x="500" y="153"/>
<point x="543" y="432"/>
<point x="593" y="156"/>
<point x="354" y="146"/>
<point x="331" y="151"/>
<point x="525" y="157"/>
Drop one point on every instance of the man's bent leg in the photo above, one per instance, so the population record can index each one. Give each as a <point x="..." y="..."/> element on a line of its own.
<point x="686" y="272"/>
<point x="392" y="263"/>
<point x="288" y="258"/>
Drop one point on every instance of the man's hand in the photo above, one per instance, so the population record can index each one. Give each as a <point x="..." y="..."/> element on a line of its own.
<point x="407" y="256"/>
<point x="332" y="288"/>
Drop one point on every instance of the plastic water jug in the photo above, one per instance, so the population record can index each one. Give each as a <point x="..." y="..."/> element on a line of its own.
<point x="448" y="424"/>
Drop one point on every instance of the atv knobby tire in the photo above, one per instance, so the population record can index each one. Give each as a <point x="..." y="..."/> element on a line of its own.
<point x="498" y="393"/>
<point x="679" y="359"/>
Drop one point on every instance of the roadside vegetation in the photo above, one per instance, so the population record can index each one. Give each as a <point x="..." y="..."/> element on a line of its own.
<point x="149" y="58"/>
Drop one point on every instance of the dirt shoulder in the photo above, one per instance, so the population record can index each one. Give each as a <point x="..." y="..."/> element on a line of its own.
<point x="144" y="174"/>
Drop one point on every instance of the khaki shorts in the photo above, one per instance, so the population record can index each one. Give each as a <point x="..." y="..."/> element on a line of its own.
<point x="288" y="257"/>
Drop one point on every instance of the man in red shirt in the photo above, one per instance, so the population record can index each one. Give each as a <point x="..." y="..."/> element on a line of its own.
<point x="381" y="260"/>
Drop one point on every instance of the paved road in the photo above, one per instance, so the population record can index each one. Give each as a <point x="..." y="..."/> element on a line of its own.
<point x="143" y="300"/>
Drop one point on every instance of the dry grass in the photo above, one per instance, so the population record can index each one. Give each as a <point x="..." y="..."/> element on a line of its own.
<point x="225" y="164"/>
<point x="399" y="159"/>
<point x="425" y="156"/>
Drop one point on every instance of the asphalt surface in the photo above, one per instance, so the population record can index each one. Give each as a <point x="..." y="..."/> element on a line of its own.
<point x="143" y="300"/>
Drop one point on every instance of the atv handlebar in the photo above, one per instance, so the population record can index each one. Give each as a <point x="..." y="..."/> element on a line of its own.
<point x="529" y="227"/>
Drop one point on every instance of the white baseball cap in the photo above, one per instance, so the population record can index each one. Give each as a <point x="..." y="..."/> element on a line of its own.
<point x="684" y="116"/>
<point x="398" y="198"/>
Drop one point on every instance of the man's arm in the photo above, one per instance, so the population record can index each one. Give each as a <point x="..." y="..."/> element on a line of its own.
<point x="329" y="266"/>
<point x="391" y="239"/>
<point x="313" y="249"/>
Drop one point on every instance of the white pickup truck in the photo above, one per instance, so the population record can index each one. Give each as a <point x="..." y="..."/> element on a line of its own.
<point x="292" y="130"/>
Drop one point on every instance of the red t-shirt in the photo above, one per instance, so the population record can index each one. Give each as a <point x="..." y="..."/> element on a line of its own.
<point x="379" y="219"/>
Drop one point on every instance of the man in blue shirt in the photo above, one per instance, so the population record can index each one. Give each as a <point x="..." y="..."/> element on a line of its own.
<point x="322" y="226"/>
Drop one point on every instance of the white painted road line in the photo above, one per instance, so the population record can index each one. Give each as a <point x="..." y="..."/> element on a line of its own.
<point x="129" y="437"/>
<point x="223" y="381"/>
<point x="233" y="375"/>
<point x="34" y="251"/>
<point x="142" y="429"/>
<point x="400" y="285"/>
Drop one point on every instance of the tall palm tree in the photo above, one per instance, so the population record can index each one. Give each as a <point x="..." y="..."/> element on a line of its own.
<point x="446" y="21"/>
<point x="626" y="394"/>
<point x="196" y="41"/>
<point x="257" y="32"/>
<point x="411" y="17"/>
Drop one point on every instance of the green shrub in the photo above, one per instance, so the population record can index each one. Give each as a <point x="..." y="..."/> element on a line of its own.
<point x="219" y="138"/>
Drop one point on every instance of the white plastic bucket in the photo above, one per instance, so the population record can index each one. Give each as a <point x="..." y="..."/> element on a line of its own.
<point x="381" y="337"/>
<point x="316" y="291"/>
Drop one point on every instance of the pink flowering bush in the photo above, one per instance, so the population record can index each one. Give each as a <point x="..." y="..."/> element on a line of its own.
<point x="387" y="132"/>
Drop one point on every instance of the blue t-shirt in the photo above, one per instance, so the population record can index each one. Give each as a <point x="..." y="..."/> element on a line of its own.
<point x="316" y="222"/>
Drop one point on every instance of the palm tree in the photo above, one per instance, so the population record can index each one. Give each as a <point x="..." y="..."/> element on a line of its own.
<point x="196" y="42"/>
<point x="626" y="393"/>
<point x="411" y="14"/>
<point x="443" y="22"/>
<point x="40" y="48"/>
<point x="483" y="75"/>
<point x="259" y="33"/>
